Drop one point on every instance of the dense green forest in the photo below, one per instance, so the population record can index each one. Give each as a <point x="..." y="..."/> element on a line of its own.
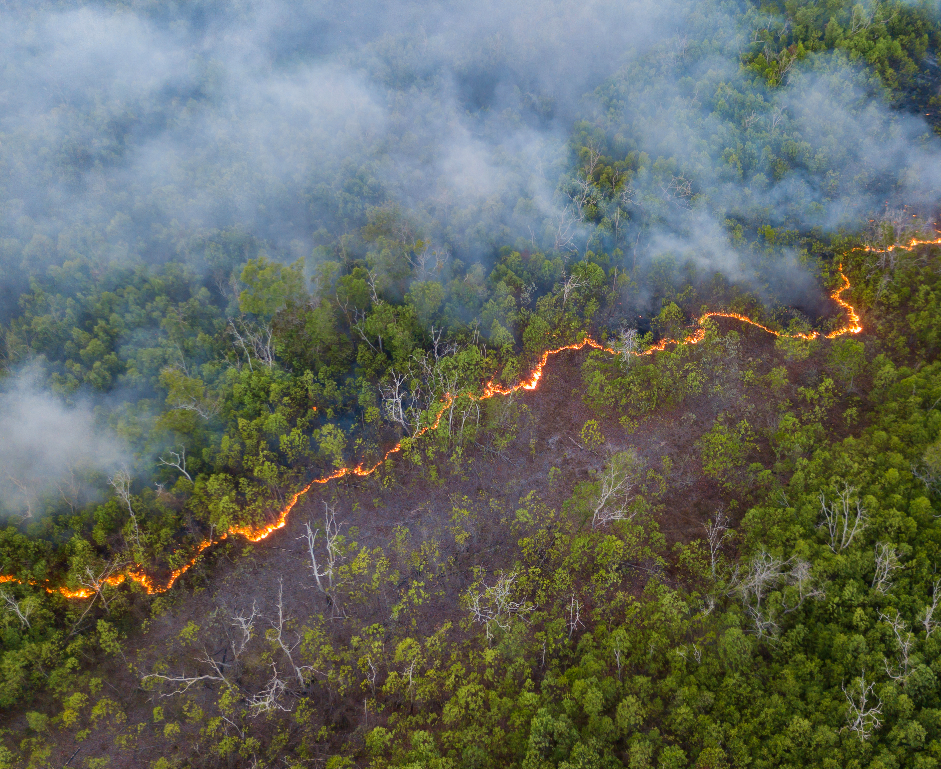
<point x="244" y="246"/>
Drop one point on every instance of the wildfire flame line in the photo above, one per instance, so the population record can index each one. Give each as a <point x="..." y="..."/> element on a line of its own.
<point x="913" y="243"/>
<point x="490" y="390"/>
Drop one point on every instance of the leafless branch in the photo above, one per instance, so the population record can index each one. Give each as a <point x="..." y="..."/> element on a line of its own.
<point x="864" y="718"/>
<point x="927" y="615"/>
<point x="843" y="520"/>
<point x="401" y="404"/>
<point x="764" y="573"/>
<point x="617" y="492"/>
<point x="182" y="682"/>
<point x="887" y="561"/>
<point x="575" y="613"/>
<point x="246" y="626"/>
<point x="323" y="574"/>
<point x="767" y="573"/>
<point x="565" y="232"/>
<point x="428" y="261"/>
<point x="178" y="461"/>
<point x="904" y="642"/>
<point x="494" y="605"/>
<point x="569" y="285"/>
<point x="121" y="482"/>
<point x="627" y="346"/>
<point x="255" y="341"/>
<point x="277" y="634"/>
<point x="26" y="490"/>
<point x="679" y="190"/>
<point x="269" y="698"/>
<point x="22" y="609"/>
<point x="717" y="531"/>
<point x="927" y="476"/>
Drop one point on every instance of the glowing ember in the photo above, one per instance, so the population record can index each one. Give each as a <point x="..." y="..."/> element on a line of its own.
<point x="490" y="390"/>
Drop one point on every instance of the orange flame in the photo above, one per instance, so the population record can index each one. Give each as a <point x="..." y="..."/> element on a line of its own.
<point x="913" y="243"/>
<point x="490" y="390"/>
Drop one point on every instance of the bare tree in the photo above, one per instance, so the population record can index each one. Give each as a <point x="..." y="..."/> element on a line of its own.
<point x="581" y="189"/>
<point x="246" y="626"/>
<point x="904" y="642"/>
<point x="255" y="341"/>
<point x="570" y="284"/>
<point x="358" y="324"/>
<point x="373" y="287"/>
<point x="400" y="403"/>
<point x="625" y="199"/>
<point x="527" y="293"/>
<point x="440" y="377"/>
<point x="575" y="615"/>
<point x="592" y="158"/>
<point x="580" y="193"/>
<point x="22" y="609"/>
<point x="183" y="682"/>
<point x="427" y="261"/>
<point x="70" y="489"/>
<point x="210" y="670"/>
<point x="843" y="519"/>
<point x="927" y="615"/>
<point x="494" y="604"/>
<point x="887" y="561"/>
<point x="564" y="236"/>
<point x="192" y="396"/>
<point x="799" y="577"/>
<point x="883" y="236"/>
<point x="785" y="59"/>
<point x="324" y="571"/>
<point x="26" y="490"/>
<point x="98" y="582"/>
<point x="767" y="573"/>
<point x="469" y="410"/>
<point x="278" y="636"/>
<point x="627" y="346"/>
<point x="864" y="718"/>
<point x="862" y="18"/>
<point x="441" y="349"/>
<point x="425" y="381"/>
<point x="717" y="531"/>
<point x="679" y="190"/>
<point x="121" y="483"/>
<point x="695" y="650"/>
<point x="929" y="472"/>
<point x="269" y="698"/>
<point x="763" y="575"/>
<point x="617" y="492"/>
<point x="176" y="460"/>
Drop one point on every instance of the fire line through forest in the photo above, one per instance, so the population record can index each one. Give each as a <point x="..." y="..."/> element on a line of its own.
<point x="490" y="390"/>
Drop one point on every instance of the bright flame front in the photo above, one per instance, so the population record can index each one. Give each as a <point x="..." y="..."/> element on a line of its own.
<point x="490" y="390"/>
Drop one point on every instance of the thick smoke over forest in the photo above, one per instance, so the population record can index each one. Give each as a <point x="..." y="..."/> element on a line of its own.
<point x="115" y="119"/>
<point x="140" y="135"/>
<point x="50" y="449"/>
<point x="129" y="136"/>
